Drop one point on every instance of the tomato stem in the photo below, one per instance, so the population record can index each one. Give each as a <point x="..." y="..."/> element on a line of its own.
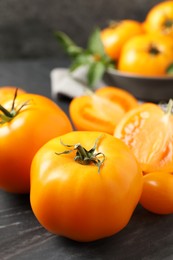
<point x="85" y="157"/>
<point x="9" y="115"/>
<point x="5" y="111"/>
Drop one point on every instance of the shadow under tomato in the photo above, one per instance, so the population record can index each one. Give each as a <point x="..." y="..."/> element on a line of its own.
<point x="140" y="238"/>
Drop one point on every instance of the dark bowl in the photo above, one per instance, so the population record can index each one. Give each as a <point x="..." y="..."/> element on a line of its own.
<point x="145" y="88"/>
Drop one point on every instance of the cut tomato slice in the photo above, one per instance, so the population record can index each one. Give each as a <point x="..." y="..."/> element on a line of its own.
<point x="95" y="113"/>
<point x="148" y="131"/>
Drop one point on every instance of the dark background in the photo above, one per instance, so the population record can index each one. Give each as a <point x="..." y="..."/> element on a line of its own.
<point x="27" y="26"/>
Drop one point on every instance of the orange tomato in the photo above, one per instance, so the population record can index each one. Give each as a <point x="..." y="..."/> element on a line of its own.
<point x="87" y="192"/>
<point x="114" y="36"/>
<point x="25" y="126"/>
<point x="148" y="131"/>
<point x="160" y="19"/>
<point x="95" y="113"/>
<point x="7" y="92"/>
<point x="149" y="55"/>
<point x="119" y="96"/>
<point x="157" y="194"/>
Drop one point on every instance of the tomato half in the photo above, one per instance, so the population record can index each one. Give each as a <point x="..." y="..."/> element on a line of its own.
<point x="34" y="120"/>
<point x="148" y="131"/>
<point x="95" y="113"/>
<point x="118" y="96"/>
<point x="157" y="194"/>
<point x="88" y="193"/>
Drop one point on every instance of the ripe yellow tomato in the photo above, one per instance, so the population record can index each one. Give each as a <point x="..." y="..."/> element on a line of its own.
<point x="85" y="185"/>
<point x="160" y="19"/>
<point x="149" y="55"/>
<point x="114" y="36"/>
<point x="28" y="122"/>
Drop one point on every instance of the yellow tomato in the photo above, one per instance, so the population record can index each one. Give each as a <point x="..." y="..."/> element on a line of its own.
<point x="160" y="19"/>
<point x="85" y="185"/>
<point x="114" y="36"/>
<point x="147" y="55"/>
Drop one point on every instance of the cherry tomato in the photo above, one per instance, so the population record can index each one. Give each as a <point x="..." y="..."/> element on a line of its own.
<point x="85" y="185"/>
<point x="157" y="194"/>
<point x="26" y="124"/>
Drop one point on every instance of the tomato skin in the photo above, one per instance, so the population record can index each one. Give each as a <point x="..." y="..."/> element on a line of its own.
<point x="75" y="200"/>
<point x="114" y="36"/>
<point x="37" y="122"/>
<point x="148" y="55"/>
<point x="157" y="194"/>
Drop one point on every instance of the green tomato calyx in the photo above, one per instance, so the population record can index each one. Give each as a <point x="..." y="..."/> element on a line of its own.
<point x="84" y="156"/>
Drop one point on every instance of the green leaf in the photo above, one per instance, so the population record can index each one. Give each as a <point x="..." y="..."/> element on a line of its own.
<point x="81" y="59"/>
<point x="95" y="45"/>
<point x="68" y="44"/>
<point x="169" y="70"/>
<point x="95" y="73"/>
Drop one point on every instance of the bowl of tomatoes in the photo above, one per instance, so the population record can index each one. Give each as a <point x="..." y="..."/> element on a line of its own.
<point x="143" y="54"/>
<point x="145" y="88"/>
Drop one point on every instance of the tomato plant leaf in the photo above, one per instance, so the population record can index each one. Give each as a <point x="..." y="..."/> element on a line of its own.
<point x="169" y="70"/>
<point x="68" y="44"/>
<point x="81" y="59"/>
<point x="95" y="45"/>
<point x="94" y="55"/>
<point x="95" y="73"/>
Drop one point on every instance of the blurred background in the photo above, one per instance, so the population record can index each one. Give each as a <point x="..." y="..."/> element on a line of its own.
<point x="27" y="27"/>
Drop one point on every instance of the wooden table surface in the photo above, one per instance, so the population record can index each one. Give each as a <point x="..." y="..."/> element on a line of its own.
<point x="147" y="236"/>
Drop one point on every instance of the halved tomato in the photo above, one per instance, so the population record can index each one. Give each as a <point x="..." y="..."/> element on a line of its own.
<point x="148" y="131"/>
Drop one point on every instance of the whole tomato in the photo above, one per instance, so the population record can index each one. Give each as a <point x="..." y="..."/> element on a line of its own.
<point x="149" y="55"/>
<point x="115" y="35"/>
<point x="7" y="92"/>
<point x="160" y="19"/>
<point x="85" y="185"/>
<point x="157" y="194"/>
<point x="26" y="123"/>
